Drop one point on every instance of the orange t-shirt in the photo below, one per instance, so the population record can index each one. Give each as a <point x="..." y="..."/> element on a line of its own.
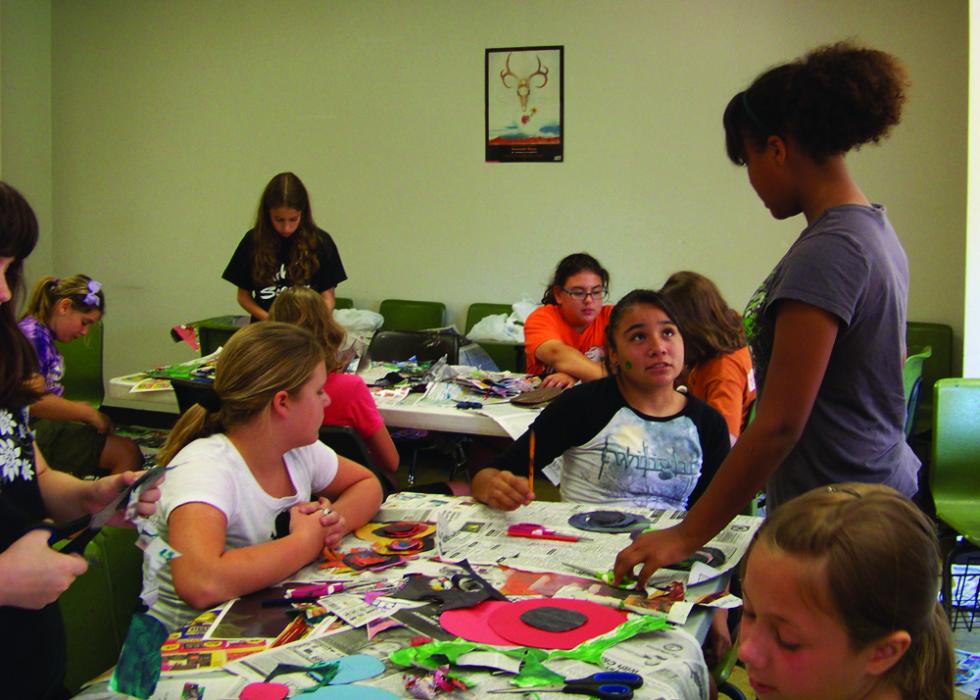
<point x="547" y="323"/>
<point x="727" y="384"/>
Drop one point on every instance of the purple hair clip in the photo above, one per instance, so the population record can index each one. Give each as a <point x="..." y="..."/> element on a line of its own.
<point x="92" y="298"/>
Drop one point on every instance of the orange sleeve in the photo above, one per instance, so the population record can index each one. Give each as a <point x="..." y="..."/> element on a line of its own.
<point x="723" y="383"/>
<point x="544" y="323"/>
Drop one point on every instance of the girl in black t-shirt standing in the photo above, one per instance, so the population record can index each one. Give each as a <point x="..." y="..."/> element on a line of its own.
<point x="284" y="249"/>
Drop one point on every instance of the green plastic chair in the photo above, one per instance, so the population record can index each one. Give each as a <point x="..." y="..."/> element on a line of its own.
<point x="412" y="315"/>
<point x="912" y="380"/>
<point x="83" y="367"/>
<point x="213" y="333"/>
<point x="953" y="475"/>
<point x="343" y="303"/>
<point x="939" y="337"/>
<point x="507" y="356"/>
<point x="98" y="606"/>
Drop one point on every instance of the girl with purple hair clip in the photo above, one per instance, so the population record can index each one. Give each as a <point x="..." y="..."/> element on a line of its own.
<point x="74" y="436"/>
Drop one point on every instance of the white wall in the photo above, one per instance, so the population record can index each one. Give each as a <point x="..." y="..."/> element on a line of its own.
<point x="971" y="320"/>
<point x="169" y="118"/>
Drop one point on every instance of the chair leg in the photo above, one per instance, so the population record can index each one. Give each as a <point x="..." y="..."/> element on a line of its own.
<point x="947" y="586"/>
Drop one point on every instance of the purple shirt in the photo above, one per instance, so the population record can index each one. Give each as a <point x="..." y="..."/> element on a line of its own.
<point x="50" y="362"/>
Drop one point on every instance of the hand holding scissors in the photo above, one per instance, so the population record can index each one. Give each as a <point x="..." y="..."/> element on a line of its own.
<point x="605" y="685"/>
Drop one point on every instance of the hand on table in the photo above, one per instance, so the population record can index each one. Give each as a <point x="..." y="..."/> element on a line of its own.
<point x="501" y="489"/>
<point x="334" y="522"/>
<point x="33" y="575"/>
<point x="654" y="550"/>
<point x="560" y="380"/>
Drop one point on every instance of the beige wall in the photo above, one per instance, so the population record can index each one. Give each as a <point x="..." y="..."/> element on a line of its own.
<point x="25" y="113"/>
<point x="168" y="118"/>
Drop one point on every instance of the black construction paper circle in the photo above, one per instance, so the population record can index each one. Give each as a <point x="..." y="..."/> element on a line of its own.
<point x="611" y="521"/>
<point x="552" y="619"/>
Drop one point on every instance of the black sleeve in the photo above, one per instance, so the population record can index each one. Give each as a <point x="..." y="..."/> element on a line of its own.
<point x="715" y="443"/>
<point x="331" y="272"/>
<point x="239" y="269"/>
<point x="572" y="419"/>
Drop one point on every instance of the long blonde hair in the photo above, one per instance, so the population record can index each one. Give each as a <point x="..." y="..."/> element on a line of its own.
<point x="257" y="362"/>
<point x="304" y="307"/>
<point x="85" y="294"/>
<point x="882" y="565"/>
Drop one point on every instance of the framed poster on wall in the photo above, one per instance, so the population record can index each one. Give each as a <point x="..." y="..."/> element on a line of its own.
<point x="525" y="104"/>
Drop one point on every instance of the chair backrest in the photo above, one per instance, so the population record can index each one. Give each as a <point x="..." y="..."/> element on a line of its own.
<point x="343" y="303"/>
<point x="912" y="380"/>
<point x="477" y="311"/>
<point x="956" y="440"/>
<point x="346" y="442"/>
<point x="189" y="392"/>
<point x="509" y="356"/>
<point x="83" y="366"/>
<point x="939" y="337"/>
<point x="412" y="315"/>
<point x="425" y="346"/>
<point x="213" y="333"/>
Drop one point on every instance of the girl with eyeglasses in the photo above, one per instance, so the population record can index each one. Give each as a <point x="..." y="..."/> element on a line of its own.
<point x="563" y="339"/>
<point x="74" y="436"/>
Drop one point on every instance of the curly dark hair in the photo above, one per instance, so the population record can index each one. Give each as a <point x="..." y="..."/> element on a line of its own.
<point x="285" y="190"/>
<point x="834" y="99"/>
<point x="711" y="327"/>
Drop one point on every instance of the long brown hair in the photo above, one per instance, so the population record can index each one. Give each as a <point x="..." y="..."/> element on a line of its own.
<point x="285" y="190"/>
<point x="304" y="307"/>
<point x="881" y="567"/>
<point x="18" y="236"/>
<point x="257" y="362"/>
<point x="49" y="290"/>
<point x="711" y="327"/>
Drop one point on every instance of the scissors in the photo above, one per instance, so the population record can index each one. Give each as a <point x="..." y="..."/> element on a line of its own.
<point x="605" y="685"/>
<point x="88" y="526"/>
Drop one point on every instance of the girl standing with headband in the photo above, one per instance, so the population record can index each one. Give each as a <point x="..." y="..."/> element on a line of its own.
<point x="73" y="435"/>
<point x="827" y="326"/>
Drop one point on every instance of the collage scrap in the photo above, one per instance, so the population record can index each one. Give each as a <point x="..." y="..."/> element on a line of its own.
<point x="441" y="596"/>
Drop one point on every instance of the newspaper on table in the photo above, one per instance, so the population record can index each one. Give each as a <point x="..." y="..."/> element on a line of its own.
<point x="479" y="534"/>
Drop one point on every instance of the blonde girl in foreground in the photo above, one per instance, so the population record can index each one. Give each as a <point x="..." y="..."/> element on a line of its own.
<point x="841" y="601"/>
<point x="252" y="495"/>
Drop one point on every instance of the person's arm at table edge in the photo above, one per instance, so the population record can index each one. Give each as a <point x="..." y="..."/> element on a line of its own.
<point x="329" y="298"/>
<point x="246" y="301"/>
<point x="804" y="338"/>
<point x="565" y="358"/>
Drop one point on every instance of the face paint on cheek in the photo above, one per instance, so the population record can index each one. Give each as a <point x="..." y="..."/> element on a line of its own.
<point x="628" y="364"/>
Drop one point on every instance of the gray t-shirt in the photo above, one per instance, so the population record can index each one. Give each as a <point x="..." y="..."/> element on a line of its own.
<point x="849" y="263"/>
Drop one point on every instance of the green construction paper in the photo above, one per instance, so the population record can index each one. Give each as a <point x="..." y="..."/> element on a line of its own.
<point x="138" y="668"/>
<point x="533" y="671"/>
<point x="591" y="651"/>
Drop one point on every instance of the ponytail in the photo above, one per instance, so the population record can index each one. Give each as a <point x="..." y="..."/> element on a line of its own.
<point x="85" y="294"/>
<point x="258" y="361"/>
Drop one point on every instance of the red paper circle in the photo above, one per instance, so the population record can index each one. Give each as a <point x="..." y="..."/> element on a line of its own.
<point x="471" y="623"/>
<point x="507" y="623"/>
